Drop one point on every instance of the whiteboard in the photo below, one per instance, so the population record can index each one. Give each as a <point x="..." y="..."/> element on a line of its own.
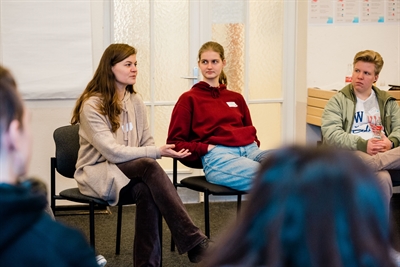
<point x="47" y="45"/>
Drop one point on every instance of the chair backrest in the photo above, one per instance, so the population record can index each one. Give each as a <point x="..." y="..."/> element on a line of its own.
<point x="66" y="139"/>
<point x="395" y="175"/>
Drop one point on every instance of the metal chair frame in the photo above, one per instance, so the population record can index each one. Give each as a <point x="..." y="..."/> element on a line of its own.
<point x="200" y="184"/>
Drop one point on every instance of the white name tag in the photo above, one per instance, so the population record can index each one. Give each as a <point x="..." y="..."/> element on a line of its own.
<point x="232" y="104"/>
<point x="128" y="127"/>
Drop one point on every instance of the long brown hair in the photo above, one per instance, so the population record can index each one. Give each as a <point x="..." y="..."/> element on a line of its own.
<point x="215" y="47"/>
<point x="103" y="85"/>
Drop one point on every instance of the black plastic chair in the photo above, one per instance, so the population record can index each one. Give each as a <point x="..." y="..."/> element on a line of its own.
<point x="66" y="139"/>
<point x="200" y="184"/>
<point x="395" y="175"/>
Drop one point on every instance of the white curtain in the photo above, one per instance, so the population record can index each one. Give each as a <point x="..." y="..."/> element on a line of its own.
<point x="48" y="46"/>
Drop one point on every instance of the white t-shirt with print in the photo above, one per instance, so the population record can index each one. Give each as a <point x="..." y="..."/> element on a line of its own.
<point x="364" y="109"/>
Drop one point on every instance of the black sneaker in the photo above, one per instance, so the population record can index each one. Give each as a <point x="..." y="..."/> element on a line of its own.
<point x="196" y="254"/>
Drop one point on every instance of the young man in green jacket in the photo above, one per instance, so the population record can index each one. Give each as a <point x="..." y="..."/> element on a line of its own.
<point x="349" y="115"/>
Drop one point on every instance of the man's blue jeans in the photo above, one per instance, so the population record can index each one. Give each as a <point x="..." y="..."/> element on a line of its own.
<point x="234" y="167"/>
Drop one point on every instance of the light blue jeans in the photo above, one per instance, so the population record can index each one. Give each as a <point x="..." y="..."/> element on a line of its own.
<point x="234" y="167"/>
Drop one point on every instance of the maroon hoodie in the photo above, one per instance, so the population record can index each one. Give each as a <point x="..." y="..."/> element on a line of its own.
<point x="210" y="115"/>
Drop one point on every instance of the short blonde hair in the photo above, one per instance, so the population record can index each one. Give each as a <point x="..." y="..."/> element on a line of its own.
<point x="370" y="56"/>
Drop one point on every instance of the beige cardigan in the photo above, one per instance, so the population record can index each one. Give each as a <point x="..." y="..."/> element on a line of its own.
<point x="100" y="149"/>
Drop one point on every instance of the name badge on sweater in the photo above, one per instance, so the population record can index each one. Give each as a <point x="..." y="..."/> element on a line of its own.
<point x="232" y="104"/>
<point x="128" y="127"/>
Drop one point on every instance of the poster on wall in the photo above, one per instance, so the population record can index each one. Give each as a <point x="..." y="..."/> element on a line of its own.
<point x="330" y="12"/>
<point x="321" y="12"/>
<point x="393" y="11"/>
<point x="347" y="11"/>
<point x="47" y="46"/>
<point x="372" y="11"/>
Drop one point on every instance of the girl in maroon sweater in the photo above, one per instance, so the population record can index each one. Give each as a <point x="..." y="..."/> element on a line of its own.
<point x="215" y="125"/>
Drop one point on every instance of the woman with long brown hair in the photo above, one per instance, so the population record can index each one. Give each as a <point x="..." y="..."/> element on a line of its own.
<point x="117" y="158"/>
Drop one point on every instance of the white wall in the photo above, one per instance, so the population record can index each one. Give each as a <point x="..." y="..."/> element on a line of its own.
<point x="331" y="48"/>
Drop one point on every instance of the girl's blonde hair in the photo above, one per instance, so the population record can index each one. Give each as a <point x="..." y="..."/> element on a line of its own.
<point x="370" y="57"/>
<point x="215" y="47"/>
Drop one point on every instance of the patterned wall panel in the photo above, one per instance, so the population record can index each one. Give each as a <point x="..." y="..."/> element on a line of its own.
<point x="171" y="53"/>
<point x="265" y="49"/>
<point x="231" y="37"/>
<point x="135" y="30"/>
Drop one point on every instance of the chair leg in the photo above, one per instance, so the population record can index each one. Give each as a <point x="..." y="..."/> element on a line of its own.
<point x="119" y="223"/>
<point x="91" y="223"/>
<point x="239" y="202"/>
<point x="160" y="233"/>
<point x="206" y="213"/>
<point x="172" y="244"/>
<point x="53" y="184"/>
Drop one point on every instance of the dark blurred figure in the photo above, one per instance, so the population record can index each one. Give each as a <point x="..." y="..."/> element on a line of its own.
<point x="310" y="207"/>
<point x="29" y="236"/>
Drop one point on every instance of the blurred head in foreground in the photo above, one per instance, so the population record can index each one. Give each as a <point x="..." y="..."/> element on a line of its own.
<point x="309" y="207"/>
<point x="15" y="132"/>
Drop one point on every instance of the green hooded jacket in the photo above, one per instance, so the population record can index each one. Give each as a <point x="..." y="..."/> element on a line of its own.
<point x="338" y="118"/>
